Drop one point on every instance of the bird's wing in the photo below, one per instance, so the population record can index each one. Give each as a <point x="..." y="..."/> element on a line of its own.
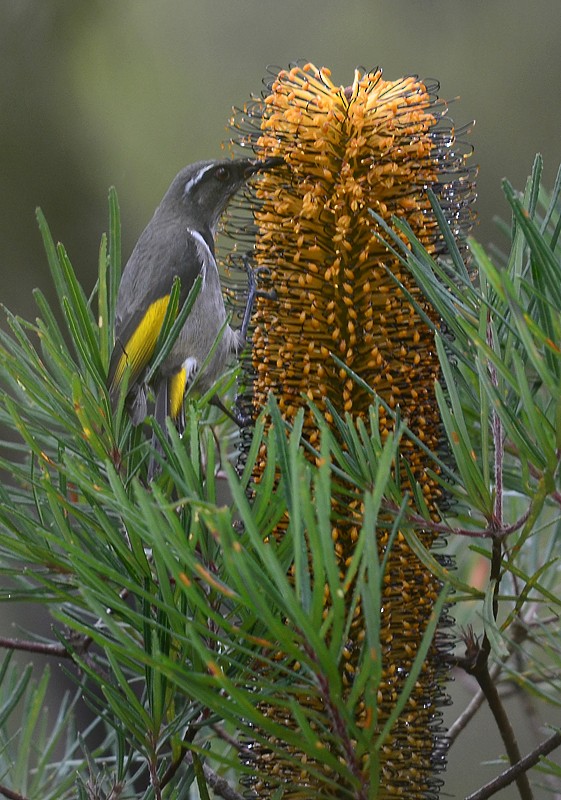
<point x="144" y="296"/>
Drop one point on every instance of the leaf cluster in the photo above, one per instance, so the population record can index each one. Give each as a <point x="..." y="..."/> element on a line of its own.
<point x="173" y="607"/>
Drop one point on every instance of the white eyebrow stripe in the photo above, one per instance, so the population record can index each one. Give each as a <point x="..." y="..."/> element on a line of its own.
<point x="204" y="251"/>
<point x="196" y="178"/>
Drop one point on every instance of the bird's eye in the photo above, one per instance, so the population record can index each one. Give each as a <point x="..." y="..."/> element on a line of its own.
<point x="221" y="173"/>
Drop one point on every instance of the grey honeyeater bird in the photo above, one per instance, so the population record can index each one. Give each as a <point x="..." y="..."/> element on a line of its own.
<point x="179" y="241"/>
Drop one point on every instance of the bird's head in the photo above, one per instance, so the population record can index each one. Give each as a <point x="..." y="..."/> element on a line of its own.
<point x="200" y="192"/>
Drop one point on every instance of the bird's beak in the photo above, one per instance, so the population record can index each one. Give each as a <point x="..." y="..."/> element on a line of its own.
<point x="263" y="165"/>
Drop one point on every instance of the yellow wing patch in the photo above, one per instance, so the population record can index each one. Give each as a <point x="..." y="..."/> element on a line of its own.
<point x="176" y="391"/>
<point x="140" y="347"/>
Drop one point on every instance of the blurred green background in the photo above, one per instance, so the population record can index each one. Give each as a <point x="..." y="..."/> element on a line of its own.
<point x="95" y="93"/>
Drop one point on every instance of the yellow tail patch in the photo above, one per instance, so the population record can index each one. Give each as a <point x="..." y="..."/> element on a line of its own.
<point x="176" y="392"/>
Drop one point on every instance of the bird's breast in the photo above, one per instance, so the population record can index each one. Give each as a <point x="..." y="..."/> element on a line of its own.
<point x="205" y="331"/>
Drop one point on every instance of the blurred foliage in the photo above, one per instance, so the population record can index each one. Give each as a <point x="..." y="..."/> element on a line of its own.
<point x="95" y="93"/>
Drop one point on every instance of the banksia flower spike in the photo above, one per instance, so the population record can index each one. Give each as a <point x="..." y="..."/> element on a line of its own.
<point x="330" y="287"/>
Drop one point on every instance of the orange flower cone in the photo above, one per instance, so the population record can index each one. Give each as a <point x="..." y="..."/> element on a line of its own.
<point x="330" y="287"/>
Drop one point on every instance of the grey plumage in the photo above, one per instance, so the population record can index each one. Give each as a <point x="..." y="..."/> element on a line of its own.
<point x="178" y="241"/>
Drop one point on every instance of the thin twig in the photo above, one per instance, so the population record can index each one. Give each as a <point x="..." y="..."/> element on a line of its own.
<point x="519" y="633"/>
<point x="471" y="709"/>
<point x="242" y="749"/>
<point x="154" y="778"/>
<point x="520" y="768"/>
<point x="219" y="786"/>
<point x="507" y="733"/>
<point x="77" y="654"/>
<point x="476" y="663"/>
<point x="490" y="532"/>
<point x="11" y="795"/>
<point x="188" y="737"/>
<point x="43" y="648"/>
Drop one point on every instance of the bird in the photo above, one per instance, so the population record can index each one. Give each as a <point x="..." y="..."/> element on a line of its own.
<point x="179" y="242"/>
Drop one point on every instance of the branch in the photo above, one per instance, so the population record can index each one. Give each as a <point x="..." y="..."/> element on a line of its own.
<point x="219" y="786"/>
<point x="490" y="532"/>
<point x="79" y="643"/>
<point x="10" y="794"/>
<point x="519" y="633"/>
<point x="503" y="723"/>
<point x="471" y="709"/>
<point x="242" y="749"/>
<point x="476" y="663"/>
<point x="520" y="768"/>
<point x="29" y="646"/>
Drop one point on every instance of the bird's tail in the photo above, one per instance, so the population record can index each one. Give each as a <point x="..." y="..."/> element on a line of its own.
<point x="166" y="405"/>
<point x="136" y="400"/>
